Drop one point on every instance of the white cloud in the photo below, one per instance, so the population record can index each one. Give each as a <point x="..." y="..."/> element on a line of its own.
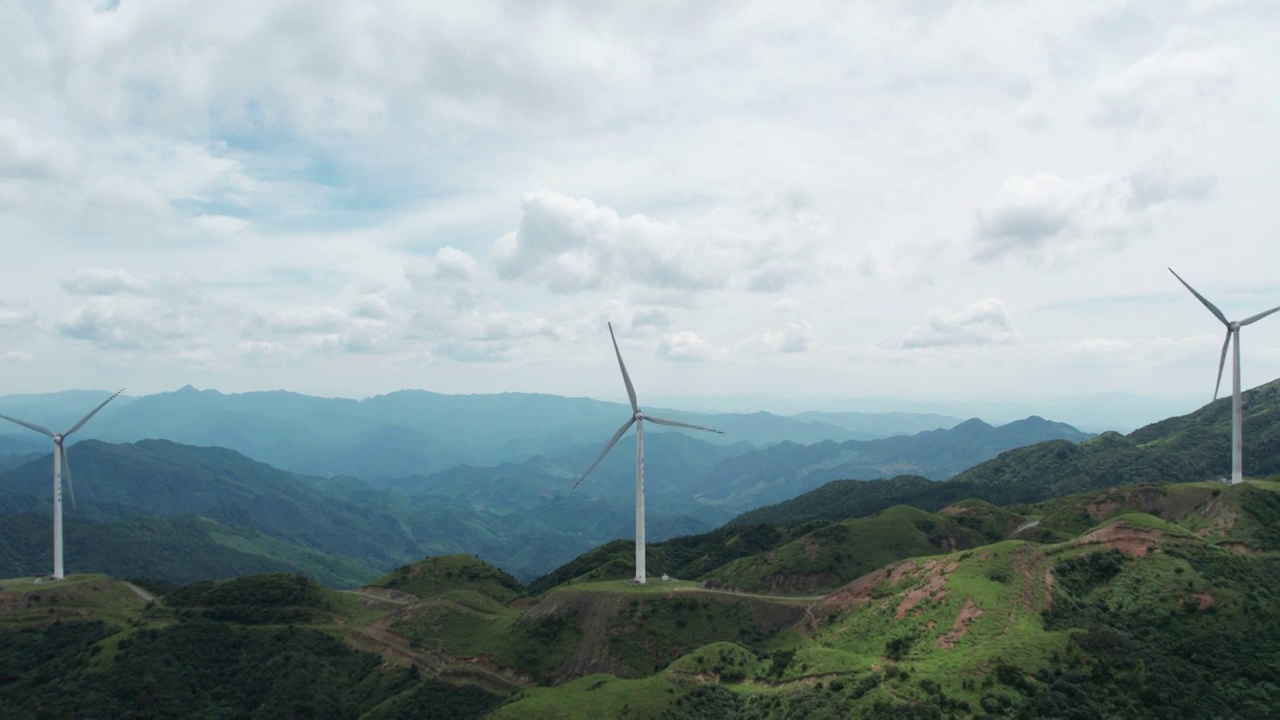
<point x="984" y="322"/>
<point x="687" y="346"/>
<point x="1046" y="219"/>
<point x="796" y="337"/>
<point x="1168" y="81"/>
<point x="570" y="244"/>
<point x="449" y="265"/>
<point x="115" y="326"/>
<point x="349" y="187"/>
<point x="28" y="155"/>
<point x="15" y="356"/>
<point x="104" y="281"/>
<point x="220" y="223"/>
<point x="12" y="317"/>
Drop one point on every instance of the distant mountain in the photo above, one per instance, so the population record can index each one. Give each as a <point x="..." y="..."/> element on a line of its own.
<point x="774" y="474"/>
<point x="332" y="528"/>
<point x="685" y="475"/>
<point x="1190" y="448"/>
<point x="401" y="433"/>
<point x="870" y="426"/>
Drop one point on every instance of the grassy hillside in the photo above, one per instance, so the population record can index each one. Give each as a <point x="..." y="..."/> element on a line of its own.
<point x="1154" y="600"/>
<point x="438" y="575"/>
<point x="175" y="550"/>
<point x="1134" y="617"/>
<point x="115" y="654"/>
<point x="1189" y="448"/>
<point x="835" y="554"/>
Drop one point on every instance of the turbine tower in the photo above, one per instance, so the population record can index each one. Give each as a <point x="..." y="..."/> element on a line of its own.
<point x="1237" y="412"/>
<point x="60" y="466"/>
<point x="638" y="419"/>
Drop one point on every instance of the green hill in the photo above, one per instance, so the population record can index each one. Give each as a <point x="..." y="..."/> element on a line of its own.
<point x="438" y="575"/>
<point x="1134" y="617"/>
<point x="840" y="552"/>
<point x="174" y="550"/>
<point x="1189" y="448"/>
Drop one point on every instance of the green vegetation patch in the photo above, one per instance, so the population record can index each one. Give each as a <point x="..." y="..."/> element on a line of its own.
<point x="437" y="575"/>
<point x="277" y="598"/>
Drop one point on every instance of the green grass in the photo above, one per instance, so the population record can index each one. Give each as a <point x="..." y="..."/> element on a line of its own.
<point x="841" y="552"/>
<point x="436" y="575"/>
<point x="594" y="696"/>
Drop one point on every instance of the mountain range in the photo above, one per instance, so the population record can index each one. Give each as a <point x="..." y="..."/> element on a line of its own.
<point x="525" y="517"/>
<point x="405" y="432"/>
<point x="1109" y="576"/>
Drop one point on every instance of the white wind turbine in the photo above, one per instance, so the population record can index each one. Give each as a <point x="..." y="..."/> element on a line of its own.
<point x="60" y="466"/>
<point x="638" y="418"/>
<point x="1237" y="413"/>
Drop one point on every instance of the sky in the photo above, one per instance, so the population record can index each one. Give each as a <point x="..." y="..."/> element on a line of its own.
<point x="923" y="199"/>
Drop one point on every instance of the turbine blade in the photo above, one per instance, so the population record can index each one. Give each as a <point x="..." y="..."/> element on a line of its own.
<point x="85" y="419"/>
<point x="631" y="391"/>
<point x="1256" y="318"/>
<point x="614" y="441"/>
<point x="677" y="423"/>
<point x="66" y="476"/>
<point x="1212" y="308"/>
<point x="1222" y="364"/>
<point x="33" y="426"/>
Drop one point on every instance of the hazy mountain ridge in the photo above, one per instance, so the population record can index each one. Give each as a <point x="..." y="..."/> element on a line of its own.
<point x="401" y="433"/>
<point x="344" y="518"/>
<point x="1187" y="448"/>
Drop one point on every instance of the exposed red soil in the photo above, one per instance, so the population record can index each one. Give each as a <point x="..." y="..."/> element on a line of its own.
<point x="960" y="627"/>
<point x="1236" y="547"/>
<point x="1134" y="542"/>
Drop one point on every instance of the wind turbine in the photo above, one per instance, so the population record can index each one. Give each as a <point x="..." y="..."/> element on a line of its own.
<point x="1237" y="413"/>
<point x="638" y="419"/>
<point x="60" y="465"/>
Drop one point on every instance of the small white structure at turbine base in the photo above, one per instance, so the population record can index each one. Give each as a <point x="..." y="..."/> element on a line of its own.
<point x="638" y="419"/>
<point x="61" y="469"/>
<point x="1237" y="407"/>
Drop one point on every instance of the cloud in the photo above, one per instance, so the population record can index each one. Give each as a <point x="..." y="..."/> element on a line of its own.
<point x="1046" y="219"/>
<point x="984" y="322"/>
<point x="104" y="281"/>
<point x="450" y="265"/>
<point x="650" y="318"/>
<point x="299" y="320"/>
<point x="13" y="317"/>
<point x="795" y="338"/>
<point x="1167" y="82"/>
<point x="687" y="346"/>
<point x="27" y="155"/>
<point x="15" y="356"/>
<point x="224" y="224"/>
<point x="146" y="326"/>
<point x="121" y="193"/>
<point x="570" y="244"/>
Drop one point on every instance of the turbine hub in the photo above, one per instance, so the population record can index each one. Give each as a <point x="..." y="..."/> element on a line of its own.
<point x="1233" y="325"/>
<point x="638" y="416"/>
<point x="57" y="439"/>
